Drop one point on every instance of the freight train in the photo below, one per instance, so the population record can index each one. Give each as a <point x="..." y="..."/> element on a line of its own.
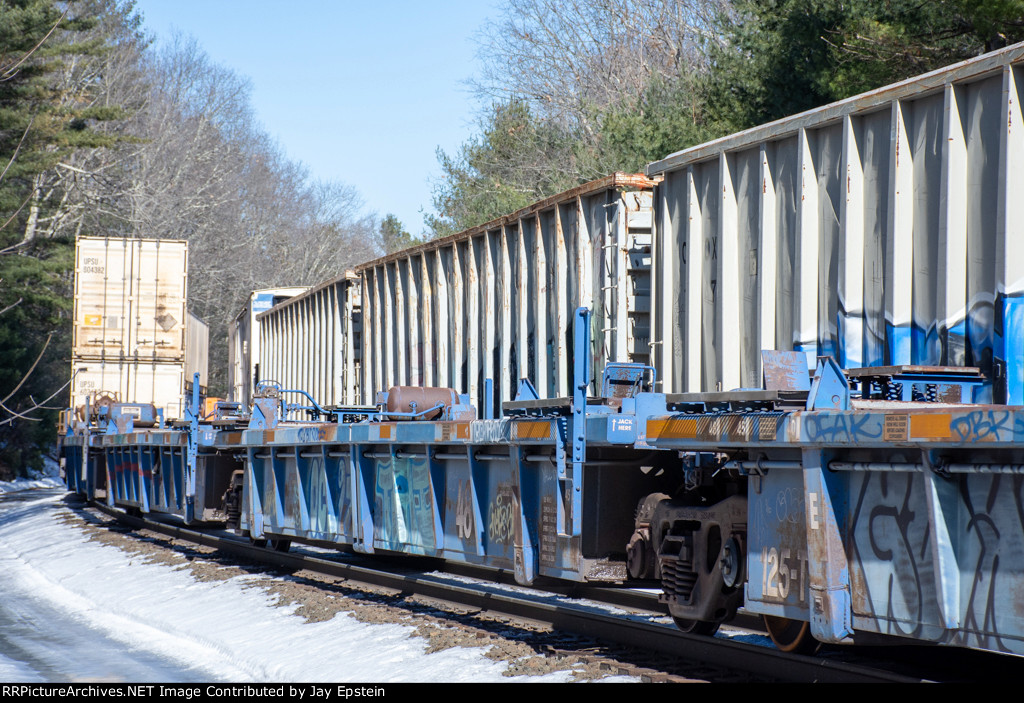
<point x="853" y="274"/>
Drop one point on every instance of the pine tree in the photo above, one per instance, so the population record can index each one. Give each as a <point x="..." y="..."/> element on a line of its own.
<point x="45" y="115"/>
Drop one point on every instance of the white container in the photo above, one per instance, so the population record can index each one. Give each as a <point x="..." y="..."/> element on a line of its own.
<point x="162" y="384"/>
<point x="130" y="299"/>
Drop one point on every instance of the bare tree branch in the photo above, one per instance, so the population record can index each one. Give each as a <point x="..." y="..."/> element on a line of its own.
<point x="31" y="368"/>
<point x="18" y="148"/>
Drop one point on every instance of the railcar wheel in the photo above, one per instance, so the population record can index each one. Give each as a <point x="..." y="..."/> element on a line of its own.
<point x="275" y="544"/>
<point x="696" y="627"/>
<point x="279" y="545"/>
<point x="790" y="635"/>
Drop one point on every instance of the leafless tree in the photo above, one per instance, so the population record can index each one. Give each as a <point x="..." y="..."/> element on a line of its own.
<point x="574" y="58"/>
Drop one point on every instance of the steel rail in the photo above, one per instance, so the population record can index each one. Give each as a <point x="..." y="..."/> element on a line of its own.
<point x="539" y="607"/>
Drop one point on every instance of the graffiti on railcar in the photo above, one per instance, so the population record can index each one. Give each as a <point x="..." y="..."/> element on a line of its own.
<point x="889" y="575"/>
<point x="895" y="578"/>
<point x="312" y="434"/>
<point x="421" y="505"/>
<point x="464" y="520"/>
<point x="842" y="428"/>
<point x="993" y="508"/>
<point x="501" y="515"/>
<point x="321" y="513"/>
<point x="405" y="507"/>
<point x="987" y="426"/>
<point x="388" y="523"/>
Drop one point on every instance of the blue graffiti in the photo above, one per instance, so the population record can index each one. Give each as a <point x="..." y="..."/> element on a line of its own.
<point x="312" y="434"/>
<point x="841" y="428"/>
<point x="991" y="424"/>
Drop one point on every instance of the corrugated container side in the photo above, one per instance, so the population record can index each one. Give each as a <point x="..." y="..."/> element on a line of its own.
<point x="883" y="229"/>
<point x="130" y="299"/>
<point x="161" y="384"/>
<point x="312" y="342"/>
<point x="244" y="341"/>
<point x="497" y="301"/>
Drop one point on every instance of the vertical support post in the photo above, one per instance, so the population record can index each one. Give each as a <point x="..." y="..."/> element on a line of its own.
<point x="805" y="327"/>
<point x="951" y="308"/>
<point x="691" y="359"/>
<point x="193" y="451"/>
<point x="851" y="262"/>
<point x="728" y="293"/>
<point x="828" y="568"/>
<point x="1010" y="238"/>
<point x="580" y="384"/>
<point x="768" y="252"/>
<point x="942" y="518"/>
<point x="899" y="266"/>
<point x="488" y="398"/>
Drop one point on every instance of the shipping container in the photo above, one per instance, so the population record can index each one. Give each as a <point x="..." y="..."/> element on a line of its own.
<point x="134" y="340"/>
<point x="165" y="384"/>
<point x="885" y="229"/>
<point x="244" y="340"/>
<point x="496" y="301"/>
<point x="313" y="342"/>
<point x="130" y="299"/>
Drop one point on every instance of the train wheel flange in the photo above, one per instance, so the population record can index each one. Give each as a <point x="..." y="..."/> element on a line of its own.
<point x="696" y="627"/>
<point x="790" y="635"/>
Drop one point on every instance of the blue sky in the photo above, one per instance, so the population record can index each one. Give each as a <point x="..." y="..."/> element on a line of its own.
<point x="363" y="93"/>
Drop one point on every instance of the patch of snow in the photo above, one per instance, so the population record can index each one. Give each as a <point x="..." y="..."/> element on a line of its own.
<point x="225" y="630"/>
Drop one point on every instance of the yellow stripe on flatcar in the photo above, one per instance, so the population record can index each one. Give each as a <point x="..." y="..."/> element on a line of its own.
<point x="672" y="428"/>
<point x="533" y="430"/>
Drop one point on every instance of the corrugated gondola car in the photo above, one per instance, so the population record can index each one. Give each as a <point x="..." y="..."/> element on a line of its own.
<point x="543" y="491"/>
<point x="885" y="229"/>
<point x="496" y="301"/>
<point x="313" y="341"/>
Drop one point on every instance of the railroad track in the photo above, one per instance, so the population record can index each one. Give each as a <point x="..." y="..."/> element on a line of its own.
<point x="638" y="631"/>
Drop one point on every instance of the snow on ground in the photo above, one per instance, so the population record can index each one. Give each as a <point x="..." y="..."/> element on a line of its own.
<point x="23" y="484"/>
<point x="96" y="596"/>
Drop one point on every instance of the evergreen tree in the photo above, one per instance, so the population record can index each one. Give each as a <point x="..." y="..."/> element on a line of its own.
<point x="393" y="235"/>
<point x="517" y="160"/>
<point x="44" y="117"/>
<point x="782" y="57"/>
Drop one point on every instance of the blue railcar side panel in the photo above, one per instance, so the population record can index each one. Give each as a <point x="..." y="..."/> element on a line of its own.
<point x="1013" y="348"/>
<point x="500" y="486"/>
<point x="937" y="559"/>
<point x="777" y="563"/>
<point x="896" y="589"/>
<point x="404" y="506"/>
<point x="462" y="514"/>
<point x="899" y="344"/>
